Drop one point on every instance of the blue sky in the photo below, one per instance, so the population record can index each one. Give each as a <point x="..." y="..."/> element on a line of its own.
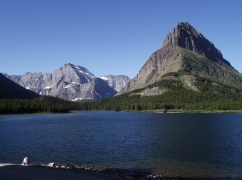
<point x="108" y="36"/>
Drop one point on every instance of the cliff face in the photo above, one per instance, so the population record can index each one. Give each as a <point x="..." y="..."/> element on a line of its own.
<point x="116" y="82"/>
<point x="186" y="36"/>
<point x="186" y="49"/>
<point x="70" y="82"/>
<point x="160" y="62"/>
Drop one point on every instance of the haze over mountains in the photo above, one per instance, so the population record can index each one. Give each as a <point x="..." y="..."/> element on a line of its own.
<point x="71" y="82"/>
<point x="184" y="49"/>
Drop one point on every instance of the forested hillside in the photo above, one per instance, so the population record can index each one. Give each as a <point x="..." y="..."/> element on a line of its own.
<point x="201" y="94"/>
<point x="44" y="104"/>
<point x="175" y="90"/>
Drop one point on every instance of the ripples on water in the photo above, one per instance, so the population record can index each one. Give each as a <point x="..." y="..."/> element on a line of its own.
<point x="197" y="145"/>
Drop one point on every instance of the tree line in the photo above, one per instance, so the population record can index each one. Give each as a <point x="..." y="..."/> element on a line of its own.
<point x="211" y="95"/>
<point x="44" y="104"/>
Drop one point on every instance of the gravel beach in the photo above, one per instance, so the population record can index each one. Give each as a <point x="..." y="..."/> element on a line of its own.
<point x="37" y="172"/>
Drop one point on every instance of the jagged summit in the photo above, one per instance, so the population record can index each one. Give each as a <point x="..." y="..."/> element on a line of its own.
<point x="185" y="49"/>
<point x="75" y="73"/>
<point x="71" y="82"/>
<point x="186" y="36"/>
<point x="79" y="69"/>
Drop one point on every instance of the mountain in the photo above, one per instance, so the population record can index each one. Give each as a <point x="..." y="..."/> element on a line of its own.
<point x="70" y="82"/>
<point x="11" y="90"/>
<point x="116" y="82"/>
<point x="184" y="49"/>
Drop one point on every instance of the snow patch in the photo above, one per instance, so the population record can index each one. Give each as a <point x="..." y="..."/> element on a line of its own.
<point x="104" y="78"/>
<point x="77" y="67"/>
<point x="72" y="84"/>
<point x="47" y="87"/>
<point x="68" y="86"/>
<point x="76" y="99"/>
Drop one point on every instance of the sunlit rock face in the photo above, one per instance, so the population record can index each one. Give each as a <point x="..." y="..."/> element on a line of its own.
<point x="70" y="82"/>
<point x="184" y="49"/>
<point x="186" y="36"/>
<point x="116" y="82"/>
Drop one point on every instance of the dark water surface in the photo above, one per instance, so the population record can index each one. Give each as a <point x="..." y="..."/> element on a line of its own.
<point x="191" y="145"/>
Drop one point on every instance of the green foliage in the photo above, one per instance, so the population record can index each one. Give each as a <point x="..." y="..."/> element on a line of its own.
<point x="196" y="63"/>
<point x="211" y="95"/>
<point x="177" y="74"/>
<point x="44" y="104"/>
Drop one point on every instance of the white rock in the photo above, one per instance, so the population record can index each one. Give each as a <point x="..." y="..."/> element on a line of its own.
<point x="51" y="164"/>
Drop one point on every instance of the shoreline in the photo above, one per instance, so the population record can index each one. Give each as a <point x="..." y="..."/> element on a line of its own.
<point x="52" y="171"/>
<point x="160" y="111"/>
<point x="38" y="172"/>
<point x="192" y="111"/>
<point x="102" y="173"/>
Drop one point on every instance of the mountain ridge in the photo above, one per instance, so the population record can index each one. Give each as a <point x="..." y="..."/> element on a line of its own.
<point x="12" y="90"/>
<point x="117" y="82"/>
<point x="186" y="49"/>
<point x="70" y="82"/>
<point x="187" y="37"/>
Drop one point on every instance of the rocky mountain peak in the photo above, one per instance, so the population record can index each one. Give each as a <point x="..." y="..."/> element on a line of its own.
<point x="71" y="82"/>
<point x="79" y="69"/>
<point x="116" y="82"/>
<point x="73" y="73"/>
<point x="186" y="36"/>
<point x="184" y="49"/>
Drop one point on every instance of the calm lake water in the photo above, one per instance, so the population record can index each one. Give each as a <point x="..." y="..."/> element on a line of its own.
<point x="192" y="145"/>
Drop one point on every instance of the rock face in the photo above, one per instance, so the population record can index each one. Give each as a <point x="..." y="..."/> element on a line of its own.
<point x="12" y="90"/>
<point x="185" y="49"/>
<point x="186" y="36"/>
<point x="116" y="82"/>
<point x="70" y="82"/>
<point x="153" y="91"/>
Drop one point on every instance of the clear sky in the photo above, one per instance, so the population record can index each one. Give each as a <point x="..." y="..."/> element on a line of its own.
<point x="108" y="36"/>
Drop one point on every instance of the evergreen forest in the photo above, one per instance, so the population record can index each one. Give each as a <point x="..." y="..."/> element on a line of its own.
<point x="43" y="104"/>
<point x="211" y="95"/>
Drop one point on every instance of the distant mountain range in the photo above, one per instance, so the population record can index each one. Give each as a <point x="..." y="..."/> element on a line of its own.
<point x="11" y="90"/>
<point x="116" y="82"/>
<point x="71" y="82"/>
<point x="187" y="69"/>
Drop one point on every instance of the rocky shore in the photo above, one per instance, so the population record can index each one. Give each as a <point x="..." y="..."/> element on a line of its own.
<point x="117" y="173"/>
<point x="76" y="172"/>
<point x="128" y="174"/>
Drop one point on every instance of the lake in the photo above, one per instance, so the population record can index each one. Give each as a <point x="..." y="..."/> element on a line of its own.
<point x="191" y="145"/>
